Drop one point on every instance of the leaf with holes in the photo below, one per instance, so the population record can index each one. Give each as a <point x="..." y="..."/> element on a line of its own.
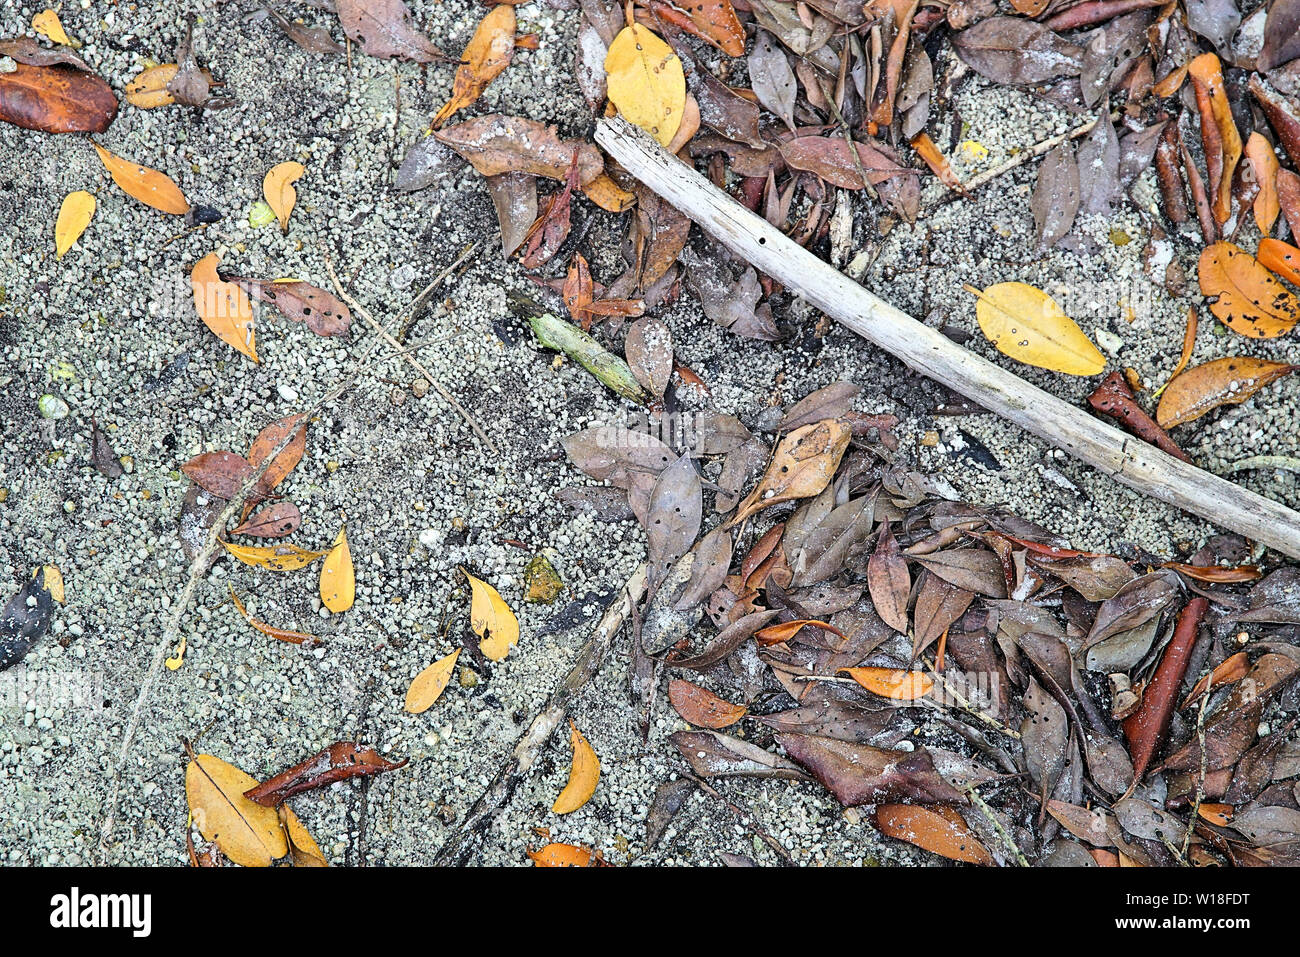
<point x="645" y="80"/>
<point x="384" y="29"/>
<point x="803" y="464"/>
<point x="300" y="301"/>
<point x="674" y="516"/>
<point x="1027" y="324"/>
<point x="55" y="98"/>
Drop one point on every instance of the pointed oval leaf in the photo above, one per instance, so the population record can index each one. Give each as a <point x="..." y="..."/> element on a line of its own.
<point x="430" y="683"/>
<point x="1027" y="324"/>
<point x="584" y="774"/>
<point x="149" y="186"/>
<point x="74" y="216"/>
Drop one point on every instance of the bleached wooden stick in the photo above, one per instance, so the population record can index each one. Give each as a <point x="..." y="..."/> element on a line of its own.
<point x="1123" y="457"/>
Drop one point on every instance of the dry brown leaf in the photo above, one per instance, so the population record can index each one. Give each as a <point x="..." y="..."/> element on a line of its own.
<point x="487" y="54"/>
<point x="894" y="683"/>
<point x="940" y="830"/>
<point x="803" y="464"/>
<point x="701" y="707"/>
<point x="1207" y="78"/>
<point x="55" y="98"/>
<point x="1227" y="381"/>
<point x="496" y="144"/>
<point x="279" y="634"/>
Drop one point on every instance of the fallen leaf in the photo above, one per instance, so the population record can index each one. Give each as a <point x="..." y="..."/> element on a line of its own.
<point x="945" y="834"/>
<point x="148" y="90"/>
<point x="772" y="78"/>
<point x="147" y="185"/>
<point x="584" y="773"/>
<point x="673" y="517"/>
<point x="888" y="581"/>
<point x="649" y="353"/>
<point x="495" y="144"/>
<point x="1264" y="165"/>
<point x="300" y="301"/>
<point x="312" y="39"/>
<point x="802" y="465"/>
<point x="487" y="54"/>
<point x="56" y="98"/>
<point x="276" y="558"/>
<point x="341" y="761"/>
<point x="74" y="216"/>
<point x="338" y="584"/>
<point x="1281" y="258"/>
<point x="1207" y="77"/>
<point x="277" y="187"/>
<point x="861" y="774"/>
<point x="279" y="634"/>
<point x="787" y="630"/>
<point x="1056" y="197"/>
<point x="269" y="439"/>
<point x="429" y="684"/>
<point x="1227" y="381"/>
<point x="223" y="307"/>
<point x="1281" y="34"/>
<point x="701" y="707"/>
<point x="645" y="80"/>
<point x="1027" y="324"/>
<point x="221" y="473"/>
<point x="491" y="619"/>
<point x="1250" y="300"/>
<point x="1017" y="52"/>
<point x="303" y="849"/>
<point x="714" y="755"/>
<point x="47" y="24"/>
<point x="384" y="29"/>
<point x="893" y="683"/>
<point x="247" y="833"/>
<point x="27" y="615"/>
<point x="565" y="855"/>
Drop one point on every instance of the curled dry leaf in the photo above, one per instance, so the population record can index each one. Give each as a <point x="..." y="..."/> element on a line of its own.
<point x="702" y="707"/>
<point x="940" y="830"/>
<point x="269" y="439"/>
<point x="1282" y="258"/>
<point x="247" y="833"/>
<point x="56" y="98"/>
<point x="223" y="307"/>
<point x="803" y="464"/>
<point x="888" y="581"/>
<point x="1250" y="300"/>
<point x="491" y="619"/>
<point x="276" y="558"/>
<point x="277" y="187"/>
<point x="1264" y="164"/>
<point x="584" y="773"/>
<point x="147" y="185"/>
<point x="430" y="683"/>
<point x="893" y="683"/>
<point x="1227" y="381"/>
<point x="303" y="849"/>
<point x="787" y="630"/>
<point x="1027" y="324"/>
<point x="338" y="584"/>
<point x="300" y="301"/>
<point x="645" y="80"/>
<point x="279" y="634"/>
<point x="487" y="54"/>
<point x="341" y="761"/>
<point x="74" y="216"/>
<point x="1222" y="141"/>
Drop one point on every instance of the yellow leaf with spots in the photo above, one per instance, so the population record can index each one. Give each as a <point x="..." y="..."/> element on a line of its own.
<point x="223" y="306"/>
<point x="149" y="89"/>
<point x="1248" y="298"/>
<point x="277" y="558"/>
<point x="47" y="24"/>
<point x="646" y="82"/>
<point x="147" y="185"/>
<point x="491" y="619"/>
<point x="583" y="775"/>
<point x="247" y="833"/>
<point x="430" y="683"/>
<point x="74" y="217"/>
<point x="278" y="189"/>
<point x="338" y="583"/>
<point x="1027" y="324"/>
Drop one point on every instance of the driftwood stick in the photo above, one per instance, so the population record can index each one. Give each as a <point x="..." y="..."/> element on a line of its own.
<point x="1123" y="457"/>
<point x="458" y="849"/>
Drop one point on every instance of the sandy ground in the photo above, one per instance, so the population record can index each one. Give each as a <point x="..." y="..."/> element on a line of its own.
<point x="111" y="330"/>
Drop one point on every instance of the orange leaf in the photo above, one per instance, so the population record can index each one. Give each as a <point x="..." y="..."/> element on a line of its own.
<point x="775" y="634"/>
<point x="565" y="855"/>
<point x="1207" y="77"/>
<point x="147" y="185"/>
<point x="1250" y="300"/>
<point x="280" y="634"/>
<point x="1263" y="162"/>
<point x="944" y="834"/>
<point x="1282" y="258"/>
<point x="938" y="163"/>
<point x="711" y="20"/>
<point x="223" y="307"/>
<point x="1189" y="344"/>
<point x="1220" y="814"/>
<point x="701" y="707"/>
<point x="1227" y="381"/>
<point x="486" y="55"/>
<point x="1233" y="668"/>
<point x="803" y="465"/>
<point x="892" y="683"/>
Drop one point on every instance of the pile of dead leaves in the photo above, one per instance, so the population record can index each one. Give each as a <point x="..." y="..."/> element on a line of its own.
<point x="990" y="694"/>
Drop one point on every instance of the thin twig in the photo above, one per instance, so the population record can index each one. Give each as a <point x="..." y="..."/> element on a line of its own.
<point x="1007" y="838"/>
<point x="746" y="817"/>
<point x="415" y="363"/>
<point x="1038" y="149"/>
<point x="404" y="321"/>
<point x="966" y="705"/>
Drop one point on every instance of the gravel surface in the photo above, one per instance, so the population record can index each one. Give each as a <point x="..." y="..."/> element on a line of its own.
<point x="110" y="329"/>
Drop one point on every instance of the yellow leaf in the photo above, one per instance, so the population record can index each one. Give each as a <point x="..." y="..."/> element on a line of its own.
<point x="608" y="195"/>
<point x="303" y="849"/>
<point x="178" y="659"/>
<point x="278" y="558"/>
<point x="149" y="89"/>
<point x="47" y="24"/>
<point x="52" y="580"/>
<point x="646" y="82"/>
<point x="430" y="683"/>
<point x="487" y="54"/>
<point x="247" y="833"/>
<point x="224" y="307"/>
<point x="583" y="775"/>
<point x="338" y="584"/>
<point x="489" y="613"/>
<point x="147" y="185"/>
<point x="278" y="189"/>
<point x="1249" y="299"/>
<point x="74" y="217"/>
<point x="1026" y="324"/>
